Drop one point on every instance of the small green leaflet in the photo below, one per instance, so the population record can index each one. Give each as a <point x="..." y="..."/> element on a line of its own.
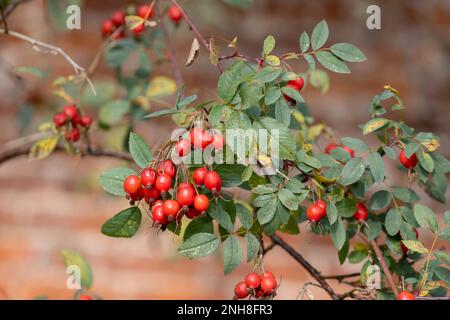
<point x="199" y="245"/>
<point x="72" y="258"/>
<point x="252" y="244"/>
<point x="319" y="35"/>
<point x="352" y="172"/>
<point x="348" y="52"/>
<point x="232" y="254"/>
<point x="139" y="150"/>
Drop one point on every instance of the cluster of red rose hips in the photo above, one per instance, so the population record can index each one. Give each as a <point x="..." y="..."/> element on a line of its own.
<point x="297" y="85"/>
<point x="71" y="120"/>
<point x="199" y="139"/>
<point x="257" y="286"/>
<point x="318" y="210"/>
<point x="117" y="21"/>
<point x="154" y="185"/>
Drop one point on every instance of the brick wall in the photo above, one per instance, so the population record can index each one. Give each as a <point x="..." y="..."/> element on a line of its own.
<point x="57" y="203"/>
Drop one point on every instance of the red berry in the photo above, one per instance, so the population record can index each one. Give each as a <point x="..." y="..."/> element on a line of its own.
<point x="139" y="29"/>
<point x="268" y="285"/>
<point x="71" y="111"/>
<point x="86" y="121"/>
<point x="298" y="84"/>
<point x="186" y="185"/>
<point x="323" y="205"/>
<point x="183" y="147"/>
<point x="151" y="195"/>
<point x="171" y="210"/>
<point x="200" y="139"/>
<point x="167" y="167"/>
<point x="288" y="98"/>
<point x="259" y="294"/>
<point x="253" y="280"/>
<point x="60" y="119"/>
<point x="361" y="212"/>
<point x="148" y="177"/>
<point x="241" y="290"/>
<point x="186" y="196"/>
<point x="218" y="141"/>
<point x="163" y="183"/>
<point x="330" y="148"/>
<point x="314" y="213"/>
<point x="201" y="203"/>
<point x="405" y="295"/>
<point x="143" y="10"/>
<point x="158" y="215"/>
<point x="410" y="162"/>
<point x="132" y="184"/>
<point x="175" y="14"/>
<point x="76" y="120"/>
<point x="107" y="28"/>
<point x="118" y="18"/>
<point x="192" y="214"/>
<point x="350" y="151"/>
<point x="404" y="248"/>
<point x="213" y="181"/>
<point x="199" y="176"/>
<point x="85" y="297"/>
<point x="268" y="274"/>
<point x="138" y="196"/>
<point x="73" y="135"/>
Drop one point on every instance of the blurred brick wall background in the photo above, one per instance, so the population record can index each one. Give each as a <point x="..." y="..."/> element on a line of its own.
<point x="57" y="203"/>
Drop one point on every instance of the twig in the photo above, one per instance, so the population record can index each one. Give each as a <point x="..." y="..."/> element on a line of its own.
<point x="194" y="29"/>
<point x="170" y="49"/>
<point x="342" y="277"/>
<point x="39" y="45"/>
<point x="311" y="270"/>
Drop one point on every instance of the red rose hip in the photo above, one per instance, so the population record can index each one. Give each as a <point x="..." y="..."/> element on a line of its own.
<point x="241" y="290"/>
<point x="132" y="184"/>
<point x="361" y="213"/>
<point x="410" y="162"/>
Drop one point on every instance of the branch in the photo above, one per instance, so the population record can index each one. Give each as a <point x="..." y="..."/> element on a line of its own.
<point x="311" y="270"/>
<point x="197" y="33"/>
<point x="384" y="266"/>
<point x="341" y="277"/>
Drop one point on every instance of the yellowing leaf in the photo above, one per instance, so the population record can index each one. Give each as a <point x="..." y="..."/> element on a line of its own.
<point x="431" y="144"/>
<point x="299" y="117"/>
<point x="193" y="54"/>
<point x="315" y="131"/>
<point x="272" y="60"/>
<point x="415" y="246"/>
<point x="394" y="91"/>
<point x="290" y="56"/>
<point x="133" y="22"/>
<point x="374" y="125"/>
<point x="161" y="87"/>
<point x="265" y="161"/>
<point x="46" y="126"/>
<point x="233" y="43"/>
<point x="214" y="52"/>
<point x="43" y="148"/>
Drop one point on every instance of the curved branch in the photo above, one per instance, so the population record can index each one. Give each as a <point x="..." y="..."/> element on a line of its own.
<point x="311" y="270"/>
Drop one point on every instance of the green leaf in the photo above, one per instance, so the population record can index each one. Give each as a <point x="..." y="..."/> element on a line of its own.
<point x="405" y="194"/>
<point x="331" y="62"/>
<point x="112" y="112"/>
<point x="376" y="165"/>
<point x="355" y="144"/>
<point x="267" y="74"/>
<point x="266" y="213"/>
<point x="380" y="200"/>
<point x="426" y="217"/>
<point x="125" y="224"/>
<point x="269" y="45"/>
<point x="283" y="112"/>
<point x="390" y="153"/>
<point x="265" y="189"/>
<point x="219" y="214"/>
<point x="160" y="113"/>
<point x="253" y="245"/>
<point x="304" y="42"/>
<point x="346" y="208"/>
<point x="201" y="225"/>
<point x="283" y="137"/>
<point x="332" y="212"/>
<point x="72" y="258"/>
<point x="411" y="148"/>
<point x="352" y="172"/>
<point x="245" y="215"/>
<point x="232" y="254"/>
<point x="272" y="95"/>
<point x="415" y="246"/>
<point x="288" y="199"/>
<point x="294" y="94"/>
<point x="199" y="245"/>
<point x="250" y="95"/>
<point x="139" y="150"/>
<point x="348" y="52"/>
<point x="319" y="35"/>
<point x="230" y="174"/>
<point x="43" y="148"/>
<point x="426" y="161"/>
<point x="357" y="256"/>
<point x="393" y="222"/>
<point x="338" y="234"/>
<point x="373" y="229"/>
<point x="375" y="125"/>
<point x="113" y="179"/>
<point x="229" y="82"/>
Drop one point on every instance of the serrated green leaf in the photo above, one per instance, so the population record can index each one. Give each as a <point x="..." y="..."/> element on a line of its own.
<point x="139" y="150"/>
<point x="331" y="62"/>
<point x="426" y="217"/>
<point x="252" y="244"/>
<point x="113" y="179"/>
<point x="332" y="212"/>
<point x="304" y="42"/>
<point x="269" y="45"/>
<point x="355" y="144"/>
<point x="319" y="35"/>
<point x="348" y="52"/>
<point x="229" y="82"/>
<point x="352" y="172"/>
<point x="267" y="212"/>
<point x="125" y="224"/>
<point x="288" y="199"/>
<point x="393" y="222"/>
<point x="232" y="254"/>
<point x="338" y="234"/>
<point x="376" y="165"/>
<point x="199" y="245"/>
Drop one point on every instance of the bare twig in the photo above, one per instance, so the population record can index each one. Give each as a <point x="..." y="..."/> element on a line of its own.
<point x="197" y="33"/>
<point x="341" y="277"/>
<point x="311" y="270"/>
<point x="384" y="266"/>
